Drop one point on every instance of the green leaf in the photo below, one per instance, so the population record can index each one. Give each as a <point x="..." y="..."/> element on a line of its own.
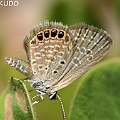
<point x="98" y="96"/>
<point x="15" y="103"/>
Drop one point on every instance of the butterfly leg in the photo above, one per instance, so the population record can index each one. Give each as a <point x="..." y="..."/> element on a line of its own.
<point x="39" y="100"/>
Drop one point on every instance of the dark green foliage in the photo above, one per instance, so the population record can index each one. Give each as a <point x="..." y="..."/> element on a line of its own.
<point x="98" y="96"/>
<point x="17" y="97"/>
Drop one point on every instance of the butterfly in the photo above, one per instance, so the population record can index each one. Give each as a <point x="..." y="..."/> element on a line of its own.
<point x="58" y="55"/>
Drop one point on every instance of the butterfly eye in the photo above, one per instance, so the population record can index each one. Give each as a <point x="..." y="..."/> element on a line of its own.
<point x="60" y="34"/>
<point x="46" y="33"/>
<point x="40" y="36"/>
<point x="52" y="96"/>
<point x="53" y="33"/>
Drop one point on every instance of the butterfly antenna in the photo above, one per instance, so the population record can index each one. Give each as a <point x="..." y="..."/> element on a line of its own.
<point x="62" y="107"/>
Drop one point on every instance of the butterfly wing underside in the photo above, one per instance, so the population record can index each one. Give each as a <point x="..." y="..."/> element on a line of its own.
<point x="58" y="55"/>
<point x="90" y="44"/>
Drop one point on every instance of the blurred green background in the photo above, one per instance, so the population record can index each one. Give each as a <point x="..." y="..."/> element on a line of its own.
<point x="16" y="21"/>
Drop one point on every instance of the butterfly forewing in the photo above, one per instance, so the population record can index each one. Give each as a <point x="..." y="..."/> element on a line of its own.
<point x="90" y="44"/>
